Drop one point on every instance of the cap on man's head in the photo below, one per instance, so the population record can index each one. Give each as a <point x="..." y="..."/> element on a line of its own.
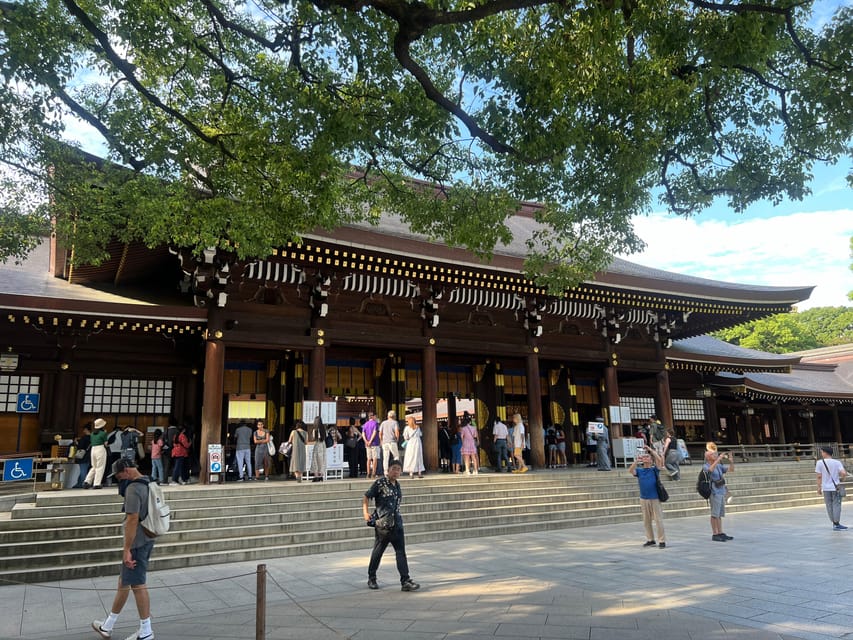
<point x="123" y="464"/>
<point x="100" y="423"/>
<point x="827" y="450"/>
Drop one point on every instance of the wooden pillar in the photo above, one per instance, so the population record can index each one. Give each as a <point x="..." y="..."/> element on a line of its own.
<point x="430" y="417"/>
<point x="611" y="399"/>
<point x="534" y="410"/>
<point x="663" y="398"/>
<point x="810" y="425"/>
<point x="780" y="424"/>
<point x="836" y="424"/>
<point x="712" y="419"/>
<point x="317" y="373"/>
<point x="211" y="408"/>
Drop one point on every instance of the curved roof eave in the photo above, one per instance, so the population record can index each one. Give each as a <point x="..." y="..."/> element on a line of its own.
<point x="391" y="234"/>
<point x="709" y="350"/>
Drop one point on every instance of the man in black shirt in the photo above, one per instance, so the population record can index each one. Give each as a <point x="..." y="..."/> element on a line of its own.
<point x="388" y="523"/>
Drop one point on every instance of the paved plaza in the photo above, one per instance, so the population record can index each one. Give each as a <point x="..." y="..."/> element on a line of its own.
<point x="785" y="575"/>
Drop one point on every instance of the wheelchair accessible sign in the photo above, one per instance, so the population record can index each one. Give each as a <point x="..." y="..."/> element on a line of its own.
<point x="21" y="469"/>
<point x="28" y="403"/>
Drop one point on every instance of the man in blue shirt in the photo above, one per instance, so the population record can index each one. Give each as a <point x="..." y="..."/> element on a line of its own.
<point x="647" y="477"/>
<point x="717" y="471"/>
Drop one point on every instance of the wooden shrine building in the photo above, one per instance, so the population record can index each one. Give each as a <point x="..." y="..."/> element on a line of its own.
<point x="375" y="316"/>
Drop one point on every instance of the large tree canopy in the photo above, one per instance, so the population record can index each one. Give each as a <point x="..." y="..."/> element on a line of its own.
<point x="246" y="124"/>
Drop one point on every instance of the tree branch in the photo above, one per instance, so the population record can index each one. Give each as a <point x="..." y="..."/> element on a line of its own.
<point x="129" y="71"/>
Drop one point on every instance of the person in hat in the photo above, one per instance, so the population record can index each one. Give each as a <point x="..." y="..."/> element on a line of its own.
<point x="98" y="455"/>
<point x="136" y="553"/>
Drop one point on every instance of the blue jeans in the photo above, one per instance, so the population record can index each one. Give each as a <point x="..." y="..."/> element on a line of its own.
<point x="502" y="454"/>
<point x="157" y="473"/>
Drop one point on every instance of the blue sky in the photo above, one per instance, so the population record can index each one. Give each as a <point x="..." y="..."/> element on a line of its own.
<point x="791" y="244"/>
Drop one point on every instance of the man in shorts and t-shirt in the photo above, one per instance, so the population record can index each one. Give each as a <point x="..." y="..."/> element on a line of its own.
<point x="136" y="554"/>
<point x="518" y="444"/>
<point x="389" y="435"/>
<point x="370" y="435"/>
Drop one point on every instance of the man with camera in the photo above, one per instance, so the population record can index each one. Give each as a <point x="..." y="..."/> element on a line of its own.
<point x="716" y="471"/>
<point x="647" y="475"/>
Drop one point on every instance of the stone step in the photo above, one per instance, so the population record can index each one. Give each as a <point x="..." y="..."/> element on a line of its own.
<point x="77" y="533"/>
<point x="357" y="538"/>
<point x="283" y="531"/>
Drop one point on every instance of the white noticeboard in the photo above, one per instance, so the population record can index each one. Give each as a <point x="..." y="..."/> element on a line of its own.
<point x="625" y="450"/>
<point x="620" y="415"/>
<point x="328" y="412"/>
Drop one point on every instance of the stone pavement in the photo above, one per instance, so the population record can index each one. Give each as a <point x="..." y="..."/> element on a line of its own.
<point x="785" y="575"/>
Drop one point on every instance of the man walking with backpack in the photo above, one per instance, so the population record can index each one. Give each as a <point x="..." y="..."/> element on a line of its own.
<point x="136" y="553"/>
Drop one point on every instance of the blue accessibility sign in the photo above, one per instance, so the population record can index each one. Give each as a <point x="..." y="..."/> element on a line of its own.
<point x="21" y="469"/>
<point x="28" y="403"/>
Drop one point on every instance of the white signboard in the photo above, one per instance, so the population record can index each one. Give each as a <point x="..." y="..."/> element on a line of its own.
<point x="620" y="415"/>
<point x="214" y="457"/>
<point x="328" y="411"/>
<point x="310" y="410"/>
<point x="595" y="428"/>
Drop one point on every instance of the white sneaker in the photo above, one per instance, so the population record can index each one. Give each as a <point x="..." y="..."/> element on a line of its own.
<point x="135" y="636"/>
<point x="104" y="633"/>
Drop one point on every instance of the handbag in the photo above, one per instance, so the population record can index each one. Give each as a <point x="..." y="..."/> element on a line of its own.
<point x="403" y="444"/>
<point x="839" y="489"/>
<point x="271" y="446"/>
<point x="663" y="494"/>
<point x="330" y="441"/>
<point x="286" y="449"/>
<point x="80" y="454"/>
<point x="385" y="525"/>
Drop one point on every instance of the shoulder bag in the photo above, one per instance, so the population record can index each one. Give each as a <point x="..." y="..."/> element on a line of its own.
<point x="663" y="494"/>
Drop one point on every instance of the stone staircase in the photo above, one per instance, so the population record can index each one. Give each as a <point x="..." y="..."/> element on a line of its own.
<point x="76" y="534"/>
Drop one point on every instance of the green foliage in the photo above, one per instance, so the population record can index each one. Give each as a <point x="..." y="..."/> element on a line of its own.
<point x="809" y="329"/>
<point x="246" y="125"/>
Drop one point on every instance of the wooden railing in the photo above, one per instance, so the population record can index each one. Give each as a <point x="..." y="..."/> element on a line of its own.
<point x="775" y="452"/>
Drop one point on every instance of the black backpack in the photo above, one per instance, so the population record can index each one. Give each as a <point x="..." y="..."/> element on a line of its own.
<point x="703" y="484"/>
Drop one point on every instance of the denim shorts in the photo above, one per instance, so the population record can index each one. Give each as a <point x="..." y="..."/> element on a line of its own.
<point x="136" y="576"/>
<point x="718" y="505"/>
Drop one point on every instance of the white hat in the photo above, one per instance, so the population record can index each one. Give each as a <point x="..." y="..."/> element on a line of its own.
<point x="100" y="423"/>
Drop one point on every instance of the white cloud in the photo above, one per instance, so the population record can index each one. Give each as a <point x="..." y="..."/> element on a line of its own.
<point x="794" y="250"/>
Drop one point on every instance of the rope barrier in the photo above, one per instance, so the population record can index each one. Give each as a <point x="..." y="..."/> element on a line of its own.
<point x="150" y="588"/>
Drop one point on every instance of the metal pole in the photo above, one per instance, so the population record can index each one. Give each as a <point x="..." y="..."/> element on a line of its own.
<point x="261" y="603"/>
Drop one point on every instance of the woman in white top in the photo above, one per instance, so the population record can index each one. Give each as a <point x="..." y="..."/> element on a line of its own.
<point x="413" y="459"/>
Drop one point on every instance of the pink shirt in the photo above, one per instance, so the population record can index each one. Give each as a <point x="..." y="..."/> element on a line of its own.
<point x="156" y="448"/>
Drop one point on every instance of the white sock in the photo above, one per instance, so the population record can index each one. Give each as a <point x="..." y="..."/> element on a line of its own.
<point x="110" y="622"/>
<point x="145" y="627"/>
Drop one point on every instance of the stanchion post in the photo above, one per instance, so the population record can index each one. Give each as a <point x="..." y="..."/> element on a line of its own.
<point x="261" y="603"/>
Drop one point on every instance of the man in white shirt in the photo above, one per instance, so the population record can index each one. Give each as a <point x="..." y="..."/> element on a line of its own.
<point x="389" y="435"/>
<point x="518" y="440"/>
<point x="830" y="474"/>
<point x="500" y="433"/>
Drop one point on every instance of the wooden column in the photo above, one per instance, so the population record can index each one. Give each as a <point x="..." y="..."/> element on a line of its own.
<point x="611" y="399"/>
<point x="534" y="411"/>
<point x="836" y="424"/>
<point x="663" y="398"/>
<point x="712" y="419"/>
<point x="430" y="418"/>
<point x="317" y="373"/>
<point x="211" y="408"/>
<point x="810" y="425"/>
<point x="780" y="424"/>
